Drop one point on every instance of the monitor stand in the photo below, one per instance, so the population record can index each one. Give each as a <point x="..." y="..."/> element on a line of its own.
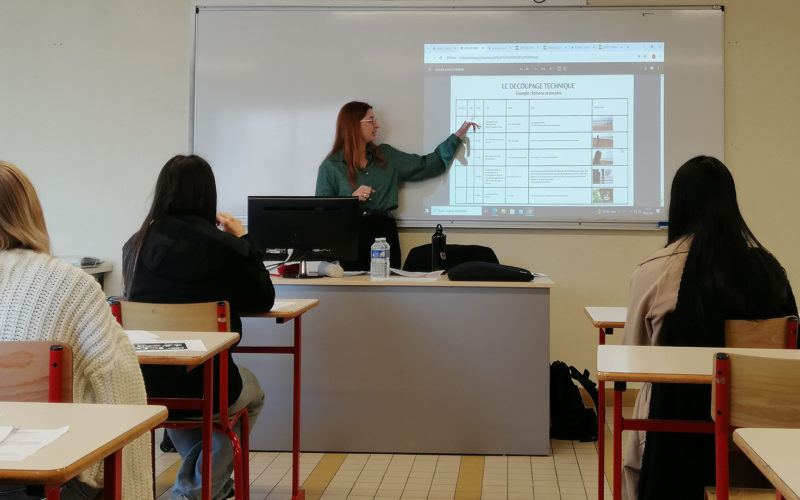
<point x="303" y="273"/>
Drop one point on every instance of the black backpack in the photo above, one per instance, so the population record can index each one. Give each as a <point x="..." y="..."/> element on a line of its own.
<point x="569" y="419"/>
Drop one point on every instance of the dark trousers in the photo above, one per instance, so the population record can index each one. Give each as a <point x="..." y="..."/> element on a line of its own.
<point x="71" y="490"/>
<point x="373" y="226"/>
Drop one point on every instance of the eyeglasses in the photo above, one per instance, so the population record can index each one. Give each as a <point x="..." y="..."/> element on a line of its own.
<point x="372" y="120"/>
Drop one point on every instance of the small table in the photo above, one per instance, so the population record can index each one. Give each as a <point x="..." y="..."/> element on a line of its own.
<point x="672" y="365"/>
<point x="96" y="432"/>
<point x="605" y="319"/>
<point x="288" y="310"/>
<point x="215" y="343"/>
<point x="99" y="272"/>
<point x="774" y="453"/>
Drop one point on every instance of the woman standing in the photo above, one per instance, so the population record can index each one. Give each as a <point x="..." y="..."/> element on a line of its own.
<point x="179" y="256"/>
<point x="356" y="166"/>
<point x="712" y="269"/>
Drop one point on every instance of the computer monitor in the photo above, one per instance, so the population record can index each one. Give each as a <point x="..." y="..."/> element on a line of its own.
<point x="313" y="227"/>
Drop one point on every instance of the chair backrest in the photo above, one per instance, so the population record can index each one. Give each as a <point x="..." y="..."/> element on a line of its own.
<point x="761" y="392"/>
<point x="38" y="371"/>
<point x="772" y="333"/>
<point x="197" y="316"/>
<point x="750" y="391"/>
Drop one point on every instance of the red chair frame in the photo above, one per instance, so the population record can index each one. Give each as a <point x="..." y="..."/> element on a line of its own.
<point x="683" y="426"/>
<point x="55" y="383"/>
<point x="224" y="424"/>
<point x="722" y="427"/>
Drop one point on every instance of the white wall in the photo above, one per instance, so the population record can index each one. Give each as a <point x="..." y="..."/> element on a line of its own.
<point x="94" y="98"/>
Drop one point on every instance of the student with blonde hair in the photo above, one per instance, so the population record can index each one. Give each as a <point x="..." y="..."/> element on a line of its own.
<point x="43" y="298"/>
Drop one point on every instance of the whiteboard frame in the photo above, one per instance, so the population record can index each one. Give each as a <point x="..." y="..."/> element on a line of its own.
<point x="443" y="5"/>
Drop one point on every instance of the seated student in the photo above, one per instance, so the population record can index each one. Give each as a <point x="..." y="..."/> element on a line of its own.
<point x="712" y="269"/>
<point x="43" y="298"/>
<point x="179" y="256"/>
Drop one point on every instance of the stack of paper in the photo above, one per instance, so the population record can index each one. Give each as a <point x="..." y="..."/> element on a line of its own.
<point x="19" y="444"/>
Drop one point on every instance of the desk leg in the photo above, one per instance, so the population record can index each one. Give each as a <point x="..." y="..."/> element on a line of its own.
<point x="601" y="438"/>
<point x="619" y="387"/>
<point x="297" y="493"/>
<point x="112" y="476"/>
<point x="601" y="425"/>
<point x="208" y="413"/>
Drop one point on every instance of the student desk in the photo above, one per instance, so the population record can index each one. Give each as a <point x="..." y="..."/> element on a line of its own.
<point x="96" y="432"/>
<point x="673" y="365"/>
<point x="775" y="453"/>
<point x="215" y="343"/>
<point x="99" y="272"/>
<point x="410" y="366"/>
<point x="605" y="319"/>
<point x="290" y="309"/>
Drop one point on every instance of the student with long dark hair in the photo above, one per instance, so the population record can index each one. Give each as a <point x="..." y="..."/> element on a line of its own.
<point x="712" y="269"/>
<point x="356" y="166"/>
<point x="179" y="256"/>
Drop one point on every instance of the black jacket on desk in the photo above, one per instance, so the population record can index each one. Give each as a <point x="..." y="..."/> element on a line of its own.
<point x="185" y="258"/>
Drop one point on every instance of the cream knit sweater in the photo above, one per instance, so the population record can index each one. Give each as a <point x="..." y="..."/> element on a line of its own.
<point x="43" y="298"/>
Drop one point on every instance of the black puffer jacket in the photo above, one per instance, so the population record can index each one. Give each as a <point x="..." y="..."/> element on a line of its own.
<point x="185" y="258"/>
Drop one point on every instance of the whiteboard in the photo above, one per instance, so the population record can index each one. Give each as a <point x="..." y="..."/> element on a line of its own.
<point x="269" y="81"/>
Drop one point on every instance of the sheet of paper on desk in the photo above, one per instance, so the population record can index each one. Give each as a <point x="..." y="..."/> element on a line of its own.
<point x="140" y="336"/>
<point x="5" y="431"/>
<point x="416" y="274"/>
<point x="404" y="279"/>
<point x="355" y="273"/>
<point x="171" y="345"/>
<point x="278" y="305"/>
<point x="22" y="443"/>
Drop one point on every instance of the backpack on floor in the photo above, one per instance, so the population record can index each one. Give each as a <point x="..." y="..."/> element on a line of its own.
<point x="569" y="419"/>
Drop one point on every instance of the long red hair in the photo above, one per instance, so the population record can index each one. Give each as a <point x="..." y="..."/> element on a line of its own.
<point x="350" y="140"/>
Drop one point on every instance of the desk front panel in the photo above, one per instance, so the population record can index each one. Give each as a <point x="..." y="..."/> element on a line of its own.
<point x="410" y="370"/>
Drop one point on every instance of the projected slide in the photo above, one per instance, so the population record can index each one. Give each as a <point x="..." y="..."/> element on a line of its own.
<point x="544" y="140"/>
<point x="565" y="128"/>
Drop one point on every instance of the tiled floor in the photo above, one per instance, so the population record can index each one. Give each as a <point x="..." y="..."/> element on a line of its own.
<point x="568" y="473"/>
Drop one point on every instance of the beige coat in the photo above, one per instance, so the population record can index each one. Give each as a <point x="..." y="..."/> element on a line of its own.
<point x="652" y="294"/>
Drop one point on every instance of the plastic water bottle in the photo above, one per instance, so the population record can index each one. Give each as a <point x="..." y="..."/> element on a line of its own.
<point x="379" y="260"/>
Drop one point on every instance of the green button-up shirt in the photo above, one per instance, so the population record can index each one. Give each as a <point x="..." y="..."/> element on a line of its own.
<point x="400" y="167"/>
